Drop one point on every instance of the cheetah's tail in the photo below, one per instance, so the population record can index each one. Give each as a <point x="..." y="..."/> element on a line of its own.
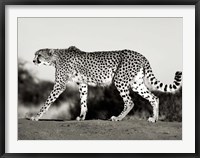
<point x="154" y="84"/>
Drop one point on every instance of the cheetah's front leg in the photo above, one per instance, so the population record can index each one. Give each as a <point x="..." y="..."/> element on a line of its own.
<point x="83" y="89"/>
<point x="57" y="90"/>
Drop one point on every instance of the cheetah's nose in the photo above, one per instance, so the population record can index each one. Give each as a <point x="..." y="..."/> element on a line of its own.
<point x="34" y="61"/>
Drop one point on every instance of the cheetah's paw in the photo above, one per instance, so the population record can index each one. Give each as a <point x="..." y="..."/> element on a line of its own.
<point x="79" y="118"/>
<point x="152" y="119"/>
<point x="114" y="118"/>
<point x="34" y="118"/>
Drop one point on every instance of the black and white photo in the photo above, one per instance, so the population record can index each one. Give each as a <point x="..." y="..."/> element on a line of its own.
<point x="100" y="79"/>
<point x="99" y="71"/>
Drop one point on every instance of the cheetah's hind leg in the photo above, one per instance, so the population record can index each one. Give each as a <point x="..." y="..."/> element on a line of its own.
<point x="142" y="90"/>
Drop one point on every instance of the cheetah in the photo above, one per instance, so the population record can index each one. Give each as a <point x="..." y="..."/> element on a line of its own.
<point x="127" y="69"/>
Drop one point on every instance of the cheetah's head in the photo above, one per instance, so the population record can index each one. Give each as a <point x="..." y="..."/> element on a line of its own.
<point x="44" y="57"/>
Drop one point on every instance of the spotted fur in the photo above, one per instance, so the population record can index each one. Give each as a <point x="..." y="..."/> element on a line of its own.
<point x="127" y="69"/>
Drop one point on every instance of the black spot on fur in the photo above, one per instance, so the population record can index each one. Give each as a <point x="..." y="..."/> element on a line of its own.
<point x="178" y="73"/>
<point x="165" y="89"/>
<point x="161" y="84"/>
<point x="174" y="86"/>
<point x="152" y="79"/>
<point x="178" y="79"/>
<point x="178" y="76"/>
<point x="176" y="83"/>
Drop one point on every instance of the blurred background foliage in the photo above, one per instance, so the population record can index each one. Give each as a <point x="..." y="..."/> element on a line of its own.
<point x="103" y="102"/>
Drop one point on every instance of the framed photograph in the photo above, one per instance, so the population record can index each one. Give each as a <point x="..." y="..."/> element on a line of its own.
<point x="99" y="78"/>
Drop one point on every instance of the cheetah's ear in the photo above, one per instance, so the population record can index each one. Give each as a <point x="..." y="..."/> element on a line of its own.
<point x="50" y="52"/>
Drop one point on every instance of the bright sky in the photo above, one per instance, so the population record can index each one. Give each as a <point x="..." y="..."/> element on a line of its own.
<point x="158" y="39"/>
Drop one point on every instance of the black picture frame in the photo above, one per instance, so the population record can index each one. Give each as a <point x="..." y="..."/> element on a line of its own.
<point x="3" y="4"/>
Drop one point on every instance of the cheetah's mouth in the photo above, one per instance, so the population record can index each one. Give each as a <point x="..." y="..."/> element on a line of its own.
<point x="38" y="61"/>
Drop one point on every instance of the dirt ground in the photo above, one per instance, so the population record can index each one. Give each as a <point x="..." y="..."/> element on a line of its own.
<point x="98" y="130"/>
